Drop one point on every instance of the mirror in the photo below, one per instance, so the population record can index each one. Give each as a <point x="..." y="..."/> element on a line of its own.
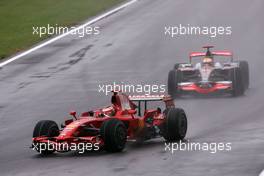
<point x="73" y="113"/>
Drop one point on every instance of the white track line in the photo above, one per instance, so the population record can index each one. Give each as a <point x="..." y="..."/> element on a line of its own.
<point x="67" y="33"/>
<point x="262" y="173"/>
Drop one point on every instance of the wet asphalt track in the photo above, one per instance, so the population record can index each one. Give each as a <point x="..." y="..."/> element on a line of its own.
<point x="65" y="75"/>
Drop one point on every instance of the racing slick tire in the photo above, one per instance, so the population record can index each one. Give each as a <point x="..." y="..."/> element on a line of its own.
<point x="173" y="79"/>
<point x="176" y="66"/>
<point x="114" y="134"/>
<point x="175" y="125"/>
<point x="245" y="73"/>
<point x="238" y="87"/>
<point x="47" y="128"/>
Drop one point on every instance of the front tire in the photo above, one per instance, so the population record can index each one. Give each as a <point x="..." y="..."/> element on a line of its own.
<point x="245" y="73"/>
<point x="175" y="125"/>
<point x="114" y="134"/>
<point x="238" y="87"/>
<point x="46" y="128"/>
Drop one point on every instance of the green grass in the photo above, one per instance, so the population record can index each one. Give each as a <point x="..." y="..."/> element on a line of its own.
<point x="17" y="17"/>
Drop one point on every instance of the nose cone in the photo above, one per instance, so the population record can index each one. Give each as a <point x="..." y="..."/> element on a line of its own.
<point x="205" y="73"/>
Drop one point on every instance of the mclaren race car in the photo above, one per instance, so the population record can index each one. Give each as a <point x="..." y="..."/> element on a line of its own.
<point x="109" y="128"/>
<point x="209" y="72"/>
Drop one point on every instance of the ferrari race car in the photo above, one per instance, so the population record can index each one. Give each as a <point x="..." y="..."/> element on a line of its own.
<point x="109" y="128"/>
<point x="209" y="72"/>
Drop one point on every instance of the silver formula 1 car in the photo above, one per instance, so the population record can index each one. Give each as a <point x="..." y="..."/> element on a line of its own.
<point x="209" y="72"/>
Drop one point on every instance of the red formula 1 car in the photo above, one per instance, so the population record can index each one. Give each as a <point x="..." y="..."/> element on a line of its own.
<point x="109" y="128"/>
<point x="209" y="72"/>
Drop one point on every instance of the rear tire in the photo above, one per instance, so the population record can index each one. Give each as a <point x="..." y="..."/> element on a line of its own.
<point x="175" y="125"/>
<point x="173" y="79"/>
<point x="114" y="134"/>
<point x="46" y="128"/>
<point x="238" y="88"/>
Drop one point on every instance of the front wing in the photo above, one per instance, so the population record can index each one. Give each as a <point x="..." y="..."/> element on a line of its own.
<point x="205" y="87"/>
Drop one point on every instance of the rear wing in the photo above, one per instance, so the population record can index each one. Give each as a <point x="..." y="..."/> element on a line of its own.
<point x="214" y="53"/>
<point x="146" y="98"/>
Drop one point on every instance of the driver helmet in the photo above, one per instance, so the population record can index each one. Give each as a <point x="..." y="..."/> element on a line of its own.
<point x="208" y="61"/>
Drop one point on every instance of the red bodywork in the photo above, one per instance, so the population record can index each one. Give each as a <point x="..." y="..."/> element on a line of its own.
<point x="122" y="108"/>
